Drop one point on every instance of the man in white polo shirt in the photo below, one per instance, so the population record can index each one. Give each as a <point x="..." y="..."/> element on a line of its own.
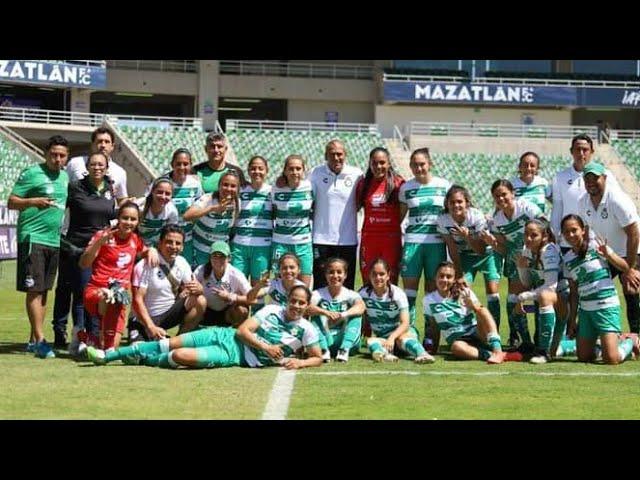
<point x="334" y="213"/>
<point x="102" y="140"/>
<point x="611" y="214"/>
<point x="167" y="295"/>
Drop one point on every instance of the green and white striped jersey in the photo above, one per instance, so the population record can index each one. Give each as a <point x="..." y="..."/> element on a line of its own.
<point x="254" y="225"/>
<point x="550" y="261"/>
<point x="452" y="317"/>
<point x="275" y="329"/>
<point x="340" y="303"/>
<point x="292" y="214"/>
<point x="535" y="192"/>
<point x="211" y="227"/>
<point x="150" y="226"/>
<point x="279" y="295"/>
<point x="383" y="313"/>
<point x="424" y="203"/>
<point x="513" y="228"/>
<point x="596" y="290"/>
<point x="474" y="221"/>
<point x="184" y="196"/>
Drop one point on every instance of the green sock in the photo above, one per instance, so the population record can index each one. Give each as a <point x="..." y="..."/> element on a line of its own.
<point x="493" y="304"/>
<point x="567" y="348"/>
<point x="512" y="326"/>
<point x="625" y="347"/>
<point x="484" y="354"/>
<point x="376" y="347"/>
<point x="136" y="350"/>
<point x="152" y="360"/>
<point x="351" y="333"/>
<point x="518" y="321"/>
<point x="546" y="325"/>
<point x="412" y="346"/>
<point x="411" y="297"/>
<point x="493" y="339"/>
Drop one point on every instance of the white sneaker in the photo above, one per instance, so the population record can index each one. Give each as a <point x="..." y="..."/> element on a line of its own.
<point x="538" y="359"/>
<point x="326" y="356"/>
<point x="379" y="357"/>
<point x="424" y="358"/>
<point x="342" y="356"/>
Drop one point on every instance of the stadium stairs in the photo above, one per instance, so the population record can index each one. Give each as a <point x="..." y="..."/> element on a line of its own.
<point x="16" y="153"/>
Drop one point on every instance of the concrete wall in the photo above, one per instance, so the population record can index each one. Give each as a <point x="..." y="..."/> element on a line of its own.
<point x="144" y="81"/>
<point x="513" y="146"/>
<point x="389" y="115"/>
<point x="322" y="89"/>
<point x="314" y="111"/>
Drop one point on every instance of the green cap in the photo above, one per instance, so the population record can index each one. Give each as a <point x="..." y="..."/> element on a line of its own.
<point x="220" y="247"/>
<point x="595" y="168"/>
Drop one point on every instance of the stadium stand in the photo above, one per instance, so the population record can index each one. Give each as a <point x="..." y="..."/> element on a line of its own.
<point x="13" y="160"/>
<point x="629" y="151"/>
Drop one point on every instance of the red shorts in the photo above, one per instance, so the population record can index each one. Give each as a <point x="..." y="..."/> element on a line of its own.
<point x="387" y="246"/>
<point x="91" y="301"/>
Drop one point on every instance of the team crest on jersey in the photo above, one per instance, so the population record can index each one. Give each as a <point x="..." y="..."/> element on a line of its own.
<point x="325" y="180"/>
<point x="569" y="182"/>
<point x="605" y="213"/>
<point x="29" y="282"/>
<point x="124" y="259"/>
<point x="348" y="182"/>
<point x="589" y="212"/>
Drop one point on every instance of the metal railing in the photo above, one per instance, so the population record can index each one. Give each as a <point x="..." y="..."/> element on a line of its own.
<point x="188" y="66"/>
<point x="551" y="82"/>
<point x="286" y="69"/>
<point x="87" y="63"/>
<point x="399" y="138"/>
<point x="624" y="135"/>
<point x="500" y="130"/>
<point x="308" y="126"/>
<point x="22" y="142"/>
<point x="60" y="117"/>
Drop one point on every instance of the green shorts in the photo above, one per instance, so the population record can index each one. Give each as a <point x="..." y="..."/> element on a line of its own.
<point x="592" y="324"/>
<point x="419" y="257"/>
<point x="472" y="264"/>
<point x="215" y="347"/>
<point x="304" y="253"/>
<point x="252" y="261"/>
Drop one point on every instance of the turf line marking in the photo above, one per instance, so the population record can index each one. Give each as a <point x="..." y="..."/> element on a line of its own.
<point x="278" y="402"/>
<point x="475" y="374"/>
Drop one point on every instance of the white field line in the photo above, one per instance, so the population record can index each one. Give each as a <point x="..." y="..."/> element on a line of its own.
<point x="278" y="402"/>
<point x="474" y="374"/>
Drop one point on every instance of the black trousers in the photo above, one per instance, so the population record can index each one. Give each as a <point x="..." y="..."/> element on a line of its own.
<point x="322" y="253"/>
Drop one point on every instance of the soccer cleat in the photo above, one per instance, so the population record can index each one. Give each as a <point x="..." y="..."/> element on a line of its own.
<point x="60" y="340"/>
<point x="425" y="357"/>
<point x="96" y="355"/>
<point x="496" y="358"/>
<point x="428" y="345"/>
<point x="44" y="350"/>
<point x="342" y="356"/>
<point x="326" y="356"/>
<point x="513" y="357"/>
<point x="31" y="347"/>
<point x="636" y="343"/>
<point x="538" y="359"/>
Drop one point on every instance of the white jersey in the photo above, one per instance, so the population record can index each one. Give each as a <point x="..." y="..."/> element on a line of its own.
<point x="615" y="211"/>
<point x="279" y="295"/>
<point x="596" y="290"/>
<point x="340" y="303"/>
<point x="151" y="224"/>
<point x="566" y="190"/>
<point x="76" y="168"/>
<point x="513" y="228"/>
<point x="424" y="204"/>
<point x="475" y="221"/>
<point x="254" y="225"/>
<point x="185" y="195"/>
<point x="383" y="313"/>
<point x="159" y="295"/>
<point x="213" y="226"/>
<point x="292" y="214"/>
<point x="334" y="214"/>
<point x="535" y="192"/>
<point x="550" y="261"/>
<point x="233" y="281"/>
<point x="453" y="318"/>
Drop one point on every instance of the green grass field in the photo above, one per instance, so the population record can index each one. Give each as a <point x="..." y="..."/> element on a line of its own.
<point x="62" y="388"/>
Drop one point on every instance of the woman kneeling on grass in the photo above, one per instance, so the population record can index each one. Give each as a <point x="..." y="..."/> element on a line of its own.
<point x="467" y="326"/>
<point x="593" y="296"/>
<point x="388" y="315"/>
<point x="270" y="337"/>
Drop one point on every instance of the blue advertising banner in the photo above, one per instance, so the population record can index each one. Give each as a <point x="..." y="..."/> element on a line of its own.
<point x="41" y="72"/>
<point x="466" y="93"/>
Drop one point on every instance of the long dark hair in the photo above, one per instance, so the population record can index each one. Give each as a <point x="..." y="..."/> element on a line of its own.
<point x="390" y="189"/>
<point x="130" y="204"/>
<point x="545" y="228"/>
<point x="149" y="200"/>
<point x="283" y="176"/>
<point x="106" y="179"/>
<point x="236" y="203"/>
<point x="368" y="286"/>
<point x="585" y="239"/>
<point x="452" y="191"/>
